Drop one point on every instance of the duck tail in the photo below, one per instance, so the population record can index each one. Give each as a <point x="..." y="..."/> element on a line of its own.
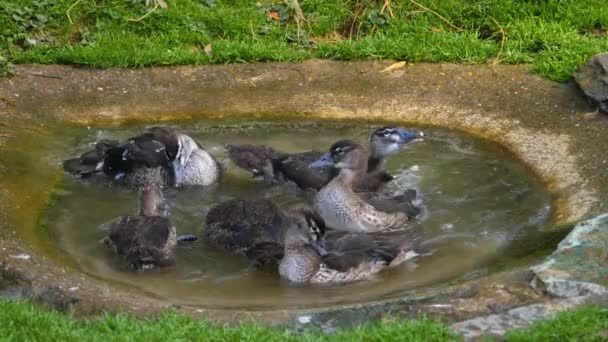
<point x="90" y="162"/>
<point x="254" y="158"/>
<point x="76" y="167"/>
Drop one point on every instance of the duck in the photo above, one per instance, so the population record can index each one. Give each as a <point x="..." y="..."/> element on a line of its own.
<point x="278" y="167"/>
<point x="177" y="158"/>
<point x="340" y="206"/>
<point x="315" y="255"/>
<point x="254" y="229"/>
<point x="147" y="239"/>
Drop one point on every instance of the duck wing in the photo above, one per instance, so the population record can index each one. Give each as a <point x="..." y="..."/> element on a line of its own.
<point x="87" y="163"/>
<point x="144" y="240"/>
<point x="238" y="225"/>
<point x="295" y="167"/>
<point x="345" y="250"/>
<point x="156" y="147"/>
<point x="146" y="150"/>
<point x="253" y="158"/>
<point x="169" y="138"/>
<point x="265" y="253"/>
<point x="402" y="203"/>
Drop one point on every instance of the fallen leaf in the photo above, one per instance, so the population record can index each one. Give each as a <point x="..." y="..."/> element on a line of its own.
<point x="162" y="4"/>
<point x="208" y="49"/>
<point x="274" y="15"/>
<point x="435" y="30"/>
<point x="395" y="66"/>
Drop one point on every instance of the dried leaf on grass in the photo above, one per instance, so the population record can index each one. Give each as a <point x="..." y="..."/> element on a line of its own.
<point x="274" y="15"/>
<point x="208" y="49"/>
<point x="395" y="66"/>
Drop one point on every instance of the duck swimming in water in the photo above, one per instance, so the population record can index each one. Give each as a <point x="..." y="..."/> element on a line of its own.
<point x="246" y="228"/>
<point x="177" y="158"/>
<point x="146" y="240"/>
<point x="279" y="167"/>
<point x="339" y="205"/>
<point x="315" y="256"/>
<point x="254" y="229"/>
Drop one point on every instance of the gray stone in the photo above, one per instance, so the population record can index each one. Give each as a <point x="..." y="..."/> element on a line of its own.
<point x="521" y="317"/>
<point x="592" y="78"/>
<point x="579" y="265"/>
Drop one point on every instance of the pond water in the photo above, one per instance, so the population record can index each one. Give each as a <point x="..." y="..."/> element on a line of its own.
<point x="476" y="197"/>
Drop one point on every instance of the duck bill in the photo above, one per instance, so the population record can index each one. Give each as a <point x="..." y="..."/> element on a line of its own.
<point x="408" y="136"/>
<point x="324" y="161"/>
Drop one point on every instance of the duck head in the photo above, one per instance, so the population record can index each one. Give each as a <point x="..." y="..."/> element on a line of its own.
<point x="347" y="156"/>
<point x="389" y="139"/>
<point x="306" y="229"/>
<point x="185" y="146"/>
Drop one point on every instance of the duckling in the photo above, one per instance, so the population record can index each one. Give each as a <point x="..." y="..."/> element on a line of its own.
<point x="249" y="228"/>
<point x="278" y="166"/>
<point x="338" y="204"/>
<point x="146" y="240"/>
<point x="178" y="158"/>
<point x="254" y="229"/>
<point x="315" y="256"/>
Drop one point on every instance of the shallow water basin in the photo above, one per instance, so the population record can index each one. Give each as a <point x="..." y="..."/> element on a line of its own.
<point x="478" y="202"/>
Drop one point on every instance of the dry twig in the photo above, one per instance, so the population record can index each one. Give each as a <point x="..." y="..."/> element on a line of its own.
<point x="70" y="9"/>
<point x="387" y="6"/>
<point x="43" y="75"/>
<point x="145" y="15"/>
<point x="503" y="38"/>
<point x="426" y="9"/>
<point x="299" y="17"/>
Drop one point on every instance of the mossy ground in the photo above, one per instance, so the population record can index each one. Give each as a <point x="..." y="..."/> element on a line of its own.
<point x="554" y="35"/>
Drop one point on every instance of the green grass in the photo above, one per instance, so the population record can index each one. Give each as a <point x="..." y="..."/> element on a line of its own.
<point x="585" y="324"/>
<point x="554" y="35"/>
<point x="24" y="321"/>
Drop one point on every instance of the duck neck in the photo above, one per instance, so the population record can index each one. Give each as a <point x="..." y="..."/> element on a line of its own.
<point x="150" y="200"/>
<point x="349" y="177"/>
<point x="375" y="163"/>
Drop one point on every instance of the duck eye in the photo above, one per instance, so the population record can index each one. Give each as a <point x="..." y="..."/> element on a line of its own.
<point x="387" y="133"/>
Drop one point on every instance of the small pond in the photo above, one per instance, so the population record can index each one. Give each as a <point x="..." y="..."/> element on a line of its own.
<point x="476" y="196"/>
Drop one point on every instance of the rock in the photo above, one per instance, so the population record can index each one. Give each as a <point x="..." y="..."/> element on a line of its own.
<point x="592" y="78"/>
<point x="579" y="265"/>
<point x="54" y="297"/>
<point x="497" y="325"/>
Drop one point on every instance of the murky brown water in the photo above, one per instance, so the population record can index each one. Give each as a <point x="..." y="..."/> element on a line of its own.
<point x="466" y="186"/>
